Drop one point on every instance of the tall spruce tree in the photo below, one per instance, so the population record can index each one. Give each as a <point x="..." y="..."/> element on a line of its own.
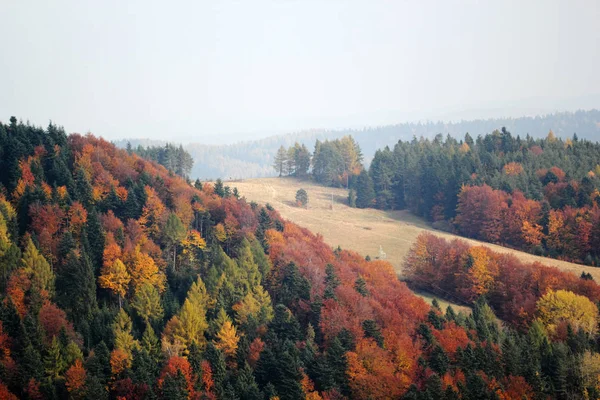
<point x="364" y="190"/>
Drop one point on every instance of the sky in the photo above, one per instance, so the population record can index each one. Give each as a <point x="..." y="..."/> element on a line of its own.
<point x="215" y="72"/>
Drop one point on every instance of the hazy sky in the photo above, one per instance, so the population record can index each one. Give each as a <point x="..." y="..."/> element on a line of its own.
<point x="214" y="71"/>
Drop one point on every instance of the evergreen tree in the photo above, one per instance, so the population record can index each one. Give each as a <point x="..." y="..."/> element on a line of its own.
<point x="95" y="237"/>
<point x="217" y="364"/>
<point x="364" y="190"/>
<point x="98" y="365"/>
<point x="174" y="232"/>
<point x="284" y="324"/>
<point x="76" y="287"/>
<point x="352" y="198"/>
<point x="331" y="282"/>
<point x="54" y="364"/>
<point x="302" y="198"/>
<point x="32" y="366"/>
<point x="338" y="364"/>
<point x="439" y="361"/>
<point x="174" y="387"/>
<point x="361" y="286"/>
<point x="144" y="368"/>
<point x="280" y="163"/>
<point x="245" y="384"/>
<point x="371" y="330"/>
<point x="219" y="188"/>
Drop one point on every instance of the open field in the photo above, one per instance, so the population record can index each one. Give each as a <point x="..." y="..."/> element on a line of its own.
<point x="361" y="230"/>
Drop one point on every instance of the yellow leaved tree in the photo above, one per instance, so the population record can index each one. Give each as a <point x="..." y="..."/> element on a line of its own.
<point x="563" y="307"/>
<point x="227" y="339"/>
<point x="146" y="302"/>
<point x="36" y="266"/>
<point x="124" y="340"/>
<point x="115" y="278"/>
<point x="480" y="272"/>
<point x="190" y="324"/>
<point x="143" y="269"/>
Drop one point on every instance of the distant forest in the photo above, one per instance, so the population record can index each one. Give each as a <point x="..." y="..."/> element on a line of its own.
<point x="174" y="159"/>
<point x="254" y="159"/>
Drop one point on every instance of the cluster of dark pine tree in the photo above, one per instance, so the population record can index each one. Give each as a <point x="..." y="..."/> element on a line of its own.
<point x="431" y="178"/>
<point x="334" y="163"/>
<point x="173" y="158"/>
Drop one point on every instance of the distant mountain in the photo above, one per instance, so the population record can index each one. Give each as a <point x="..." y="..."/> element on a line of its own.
<point x="253" y="159"/>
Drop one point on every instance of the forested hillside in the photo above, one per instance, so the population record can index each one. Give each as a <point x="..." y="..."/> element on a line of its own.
<point x="253" y="159"/>
<point x="122" y="281"/>
<point x="538" y="195"/>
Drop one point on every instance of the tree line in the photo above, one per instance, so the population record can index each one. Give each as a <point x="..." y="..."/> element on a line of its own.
<point x="175" y="159"/>
<point x="254" y="158"/>
<point x="333" y="163"/>
<point x="537" y="195"/>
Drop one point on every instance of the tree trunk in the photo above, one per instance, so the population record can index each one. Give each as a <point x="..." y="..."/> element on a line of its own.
<point x="174" y="255"/>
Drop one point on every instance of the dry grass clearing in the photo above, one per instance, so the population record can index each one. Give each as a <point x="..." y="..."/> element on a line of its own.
<point x="361" y="230"/>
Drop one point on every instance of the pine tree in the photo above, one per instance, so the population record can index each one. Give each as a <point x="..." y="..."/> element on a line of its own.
<point x="99" y="364"/>
<point x="219" y="189"/>
<point x="76" y="287"/>
<point x="245" y="384"/>
<point x="352" y="198"/>
<point x="302" y="198"/>
<point x="146" y="302"/>
<point x="217" y="364"/>
<point x="361" y="286"/>
<point x="83" y="188"/>
<point x="32" y="366"/>
<point x="95" y="237"/>
<point x="38" y="268"/>
<point x="301" y="160"/>
<point x="174" y="232"/>
<point x="331" y="282"/>
<point x="364" y="190"/>
<point x="144" y="368"/>
<point x="280" y="162"/>
<point x="54" y="364"/>
<point x="372" y="330"/>
<point x="122" y="333"/>
<point x="284" y="324"/>
<point x="151" y="344"/>
<point x="288" y="384"/>
<point x="338" y="364"/>
<point x="190" y="324"/>
<point x="439" y="361"/>
<point x="174" y="387"/>
<point x="195" y="358"/>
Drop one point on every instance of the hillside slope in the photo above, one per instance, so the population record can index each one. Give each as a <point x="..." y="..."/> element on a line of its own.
<point x="363" y="230"/>
<point x="122" y="280"/>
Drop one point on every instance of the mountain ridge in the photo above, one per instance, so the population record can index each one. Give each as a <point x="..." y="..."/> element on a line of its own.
<point x="254" y="158"/>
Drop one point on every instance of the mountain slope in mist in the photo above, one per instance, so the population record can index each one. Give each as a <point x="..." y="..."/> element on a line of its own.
<point x="252" y="159"/>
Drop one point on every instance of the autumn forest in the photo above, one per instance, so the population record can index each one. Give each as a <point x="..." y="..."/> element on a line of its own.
<point x="121" y="279"/>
